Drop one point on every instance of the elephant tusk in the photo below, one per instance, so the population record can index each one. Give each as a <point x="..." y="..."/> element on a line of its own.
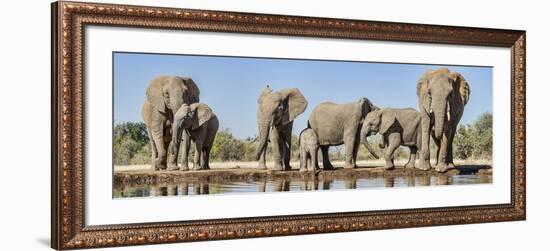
<point x="448" y="111"/>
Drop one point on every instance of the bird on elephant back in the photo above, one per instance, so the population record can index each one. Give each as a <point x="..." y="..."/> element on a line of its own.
<point x="442" y="96"/>
<point x="276" y="113"/>
<point x="165" y="95"/>
<point x="337" y="124"/>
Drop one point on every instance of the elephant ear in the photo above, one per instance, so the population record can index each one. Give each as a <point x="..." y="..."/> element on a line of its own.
<point x="156" y="93"/>
<point x="296" y="101"/>
<point x="193" y="92"/>
<point x="386" y="121"/>
<point x="203" y="113"/>
<point x="462" y="86"/>
<point x="266" y="91"/>
<point x="366" y="107"/>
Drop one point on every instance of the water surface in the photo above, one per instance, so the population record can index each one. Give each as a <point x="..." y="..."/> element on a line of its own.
<point x="271" y="184"/>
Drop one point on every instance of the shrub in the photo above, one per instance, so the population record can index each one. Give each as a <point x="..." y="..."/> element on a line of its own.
<point x="130" y="144"/>
<point x="475" y="141"/>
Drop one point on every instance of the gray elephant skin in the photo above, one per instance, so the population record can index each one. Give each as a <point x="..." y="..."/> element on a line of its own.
<point x="309" y="146"/>
<point x="276" y="113"/>
<point x="201" y="124"/>
<point x="397" y="127"/>
<point x="442" y="96"/>
<point x="165" y="94"/>
<point x="337" y="124"/>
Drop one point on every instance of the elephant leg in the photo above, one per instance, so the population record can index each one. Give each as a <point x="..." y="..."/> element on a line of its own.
<point x="153" y="150"/>
<point x="206" y="157"/>
<point x="173" y="156"/>
<point x="449" y="158"/>
<point x="393" y="144"/>
<point x="309" y="163"/>
<point x="303" y="159"/>
<point x="314" y="162"/>
<point x="287" y="144"/>
<point x="442" y="155"/>
<point x="158" y="137"/>
<point x="186" y="140"/>
<point x="203" y="159"/>
<point x="349" y="146"/>
<point x="412" y="157"/>
<point x="276" y="146"/>
<point x="355" y="151"/>
<point x="424" y="160"/>
<point x="326" y="160"/>
<point x="261" y="162"/>
<point x="197" y="158"/>
<point x="169" y="154"/>
<point x="383" y="142"/>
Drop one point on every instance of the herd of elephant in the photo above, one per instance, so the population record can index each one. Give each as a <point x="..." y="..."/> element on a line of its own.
<point x="173" y="114"/>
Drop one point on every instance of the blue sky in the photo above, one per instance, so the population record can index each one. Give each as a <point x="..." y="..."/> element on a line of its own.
<point x="231" y="85"/>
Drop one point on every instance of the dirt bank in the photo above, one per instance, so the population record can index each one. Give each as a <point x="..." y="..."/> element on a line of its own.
<point x="242" y="171"/>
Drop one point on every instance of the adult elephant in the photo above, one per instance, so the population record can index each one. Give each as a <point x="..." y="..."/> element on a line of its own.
<point x="276" y="113"/>
<point x="165" y="95"/>
<point x="337" y="124"/>
<point x="442" y="95"/>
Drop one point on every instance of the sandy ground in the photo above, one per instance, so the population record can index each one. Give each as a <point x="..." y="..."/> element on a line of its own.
<point x="296" y="164"/>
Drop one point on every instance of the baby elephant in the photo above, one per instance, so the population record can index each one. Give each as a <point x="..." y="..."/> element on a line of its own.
<point x="397" y="127"/>
<point x="202" y="125"/>
<point x="309" y="145"/>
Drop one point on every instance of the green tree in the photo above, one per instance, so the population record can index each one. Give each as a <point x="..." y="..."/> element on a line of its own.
<point x="226" y="147"/>
<point x="475" y="141"/>
<point x="131" y="144"/>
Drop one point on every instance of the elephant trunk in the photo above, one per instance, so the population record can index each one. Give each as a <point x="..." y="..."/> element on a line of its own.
<point x="440" y="111"/>
<point x="363" y="138"/>
<point x="175" y="104"/>
<point x="264" y="134"/>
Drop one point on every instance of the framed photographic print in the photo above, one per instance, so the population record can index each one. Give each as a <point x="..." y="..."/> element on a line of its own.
<point x="176" y="125"/>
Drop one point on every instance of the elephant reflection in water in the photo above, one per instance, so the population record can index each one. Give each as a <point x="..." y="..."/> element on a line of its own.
<point x="424" y="180"/>
<point x="443" y="180"/>
<point x="327" y="181"/>
<point x="157" y="191"/>
<point x="201" y="188"/>
<point x="180" y="189"/>
<point x="389" y="181"/>
<point x="262" y="184"/>
<point x="171" y="190"/>
<point x="410" y="180"/>
<point x="350" y="182"/>
<point x="281" y="185"/>
<point x="183" y="189"/>
<point x="309" y="183"/>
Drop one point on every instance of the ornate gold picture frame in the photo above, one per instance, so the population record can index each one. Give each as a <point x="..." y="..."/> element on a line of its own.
<point x="69" y="20"/>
